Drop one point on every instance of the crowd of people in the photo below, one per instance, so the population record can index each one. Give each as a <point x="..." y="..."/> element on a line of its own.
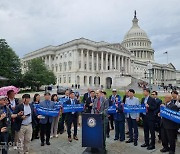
<point x="20" y="123"/>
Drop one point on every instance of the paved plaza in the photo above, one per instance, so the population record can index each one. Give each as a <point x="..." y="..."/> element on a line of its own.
<point x="61" y="145"/>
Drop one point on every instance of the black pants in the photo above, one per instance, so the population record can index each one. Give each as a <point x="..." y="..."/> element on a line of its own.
<point x="168" y="137"/>
<point x="4" y="142"/>
<point x="61" y="124"/>
<point x="36" y="131"/>
<point x="132" y="125"/>
<point x="72" y="120"/>
<point x="45" y="130"/>
<point x="111" y="119"/>
<point x="149" y="127"/>
<point x="108" y="128"/>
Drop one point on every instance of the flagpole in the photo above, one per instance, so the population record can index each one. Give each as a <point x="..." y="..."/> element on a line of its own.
<point x="167" y="57"/>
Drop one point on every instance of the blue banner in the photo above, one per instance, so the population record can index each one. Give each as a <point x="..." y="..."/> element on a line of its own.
<point x="73" y="108"/>
<point x="112" y="109"/>
<point x="47" y="112"/>
<point x="170" y="114"/>
<point x="134" y="108"/>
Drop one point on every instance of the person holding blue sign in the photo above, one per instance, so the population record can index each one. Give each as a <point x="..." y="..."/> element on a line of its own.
<point x="112" y="100"/>
<point x="148" y="119"/>
<point x="132" y="118"/>
<point x="72" y="118"/>
<point x="169" y="127"/>
<point x="46" y="121"/>
<point x="54" y="126"/>
<point x="119" y="118"/>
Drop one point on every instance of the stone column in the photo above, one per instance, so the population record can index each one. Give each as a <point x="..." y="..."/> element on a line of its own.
<point x="82" y="60"/>
<point x="119" y="66"/>
<point x="50" y="62"/>
<point x="110" y="61"/>
<point x="87" y="57"/>
<point x="102" y="60"/>
<point x="115" y="67"/>
<point x="129" y="66"/>
<point x="122" y="61"/>
<point x="97" y="62"/>
<point x="92" y="61"/>
<point x="106" y="61"/>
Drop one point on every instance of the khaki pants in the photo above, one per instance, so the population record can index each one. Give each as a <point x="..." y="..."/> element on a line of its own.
<point x="54" y="126"/>
<point x="25" y="135"/>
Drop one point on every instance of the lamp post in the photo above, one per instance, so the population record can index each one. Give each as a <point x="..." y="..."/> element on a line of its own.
<point x="149" y="68"/>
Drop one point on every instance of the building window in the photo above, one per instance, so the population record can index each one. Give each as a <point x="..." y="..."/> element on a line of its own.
<point x="60" y="67"/>
<point x="60" y="80"/>
<point x="64" y="79"/>
<point x="69" y="79"/>
<point x="56" y="68"/>
<point x="79" y="64"/>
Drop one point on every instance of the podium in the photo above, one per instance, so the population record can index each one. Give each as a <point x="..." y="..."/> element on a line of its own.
<point x="93" y="131"/>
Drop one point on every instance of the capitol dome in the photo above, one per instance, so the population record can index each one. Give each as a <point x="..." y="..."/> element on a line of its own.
<point x="137" y="41"/>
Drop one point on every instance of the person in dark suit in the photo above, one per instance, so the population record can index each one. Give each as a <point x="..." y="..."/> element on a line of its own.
<point x="72" y="118"/>
<point x="154" y="95"/>
<point x="168" y="128"/>
<point x="46" y="121"/>
<point x="112" y="100"/>
<point x="12" y="103"/>
<point x="89" y="102"/>
<point x="148" y="119"/>
<point x="86" y="96"/>
<point x="24" y="122"/>
<point x="61" y="124"/>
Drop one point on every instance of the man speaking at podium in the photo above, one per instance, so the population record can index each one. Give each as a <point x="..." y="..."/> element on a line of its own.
<point x="100" y="106"/>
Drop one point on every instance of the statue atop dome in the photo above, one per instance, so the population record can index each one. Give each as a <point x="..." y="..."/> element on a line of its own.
<point x="135" y="14"/>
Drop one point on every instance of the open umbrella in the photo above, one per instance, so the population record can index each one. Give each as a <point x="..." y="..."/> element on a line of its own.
<point x="4" y="90"/>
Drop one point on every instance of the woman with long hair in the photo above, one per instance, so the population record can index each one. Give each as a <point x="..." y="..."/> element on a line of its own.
<point x="54" y="126"/>
<point x="36" y="130"/>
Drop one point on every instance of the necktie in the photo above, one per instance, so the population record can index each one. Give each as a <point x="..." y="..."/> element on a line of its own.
<point x="98" y="104"/>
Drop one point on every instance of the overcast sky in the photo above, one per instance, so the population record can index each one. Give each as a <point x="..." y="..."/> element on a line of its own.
<point x="28" y="25"/>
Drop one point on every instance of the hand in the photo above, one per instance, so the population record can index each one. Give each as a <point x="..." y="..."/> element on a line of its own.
<point x="158" y="114"/>
<point x="23" y="117"/>
<point x="162" y="105"/>
<point x="91" y="104"/>
<point x="3" y="116"/>
<point x="40" y="117"/>
<point x="3" y="129"/>
<point x="116" y="105"/>
<point x="137" y="119"/>
<point x="147" y="105"/>
<point x="20" y="113"/>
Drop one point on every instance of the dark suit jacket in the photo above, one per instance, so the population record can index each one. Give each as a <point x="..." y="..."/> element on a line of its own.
<point x="18" y="119"/>
<point x="88" y="102"/>
<point x="69" y="115"/>
<point x="150" y="115"/>
<point x="85" y="97"/>
<point x="16" y="102"/>
<point x="168" y="124"/>
<point x="158" y="103"/>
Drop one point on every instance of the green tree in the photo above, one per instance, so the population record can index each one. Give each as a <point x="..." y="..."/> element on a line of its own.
<point x="10" y="66"/>
<point x="38" y="75"/>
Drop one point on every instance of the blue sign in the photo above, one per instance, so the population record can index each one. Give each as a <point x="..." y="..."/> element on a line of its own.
<point x="112" y="109"/>
<point x="134" y="108"/>
<point x="170" y="114"/>
<point x="47" y="112"/>
<point x="73" y="108"/>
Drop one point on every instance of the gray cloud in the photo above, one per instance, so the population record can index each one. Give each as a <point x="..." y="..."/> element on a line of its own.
<point x="28" y="25"/>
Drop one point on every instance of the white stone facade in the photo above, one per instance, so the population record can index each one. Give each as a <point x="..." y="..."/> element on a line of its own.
<point x="101" y="64"/>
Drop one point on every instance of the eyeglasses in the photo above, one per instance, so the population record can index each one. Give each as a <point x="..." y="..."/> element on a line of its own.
<point x="153" y="94"/>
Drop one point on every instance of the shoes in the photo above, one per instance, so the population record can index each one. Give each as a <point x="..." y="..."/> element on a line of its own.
<point x="144" y="145"/>
<point x="70" y="139"/>
<point x="56" y="136"/>
<point x="129" y="141"/>
<point x="15" y="147"/>
<point x="75" y="138"/>
<point x="164" y="150"/>
<point x="151" y="147"/>
<point x="122" y="140"/>
<point x="135" y="143"/>
<point x="127" y="133"/>
<point x="171" y="152"/>
<point x="48" y="143"/>
<point x="42" y="144"/>
<point x="61" y="132"/>
<point x="116" y="139"/>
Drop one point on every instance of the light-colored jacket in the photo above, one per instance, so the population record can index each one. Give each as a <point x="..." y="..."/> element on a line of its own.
<point x="103" y="108"/>
<point x="132" y="101"/>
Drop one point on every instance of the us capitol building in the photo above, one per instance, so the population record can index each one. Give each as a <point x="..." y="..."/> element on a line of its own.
<point x="101" y="64"/>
